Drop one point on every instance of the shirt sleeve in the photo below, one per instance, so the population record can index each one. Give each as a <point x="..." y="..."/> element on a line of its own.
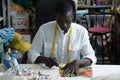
<point x="87" y="50"/>
<point x="37" y="47"/>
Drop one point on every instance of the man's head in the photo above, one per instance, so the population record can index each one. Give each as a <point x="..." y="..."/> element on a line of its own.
<point x="64" y="15"/>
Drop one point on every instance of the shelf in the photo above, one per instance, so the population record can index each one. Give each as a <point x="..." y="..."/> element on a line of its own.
<point x="94" y="7"/>
<point x="100" y="8"/>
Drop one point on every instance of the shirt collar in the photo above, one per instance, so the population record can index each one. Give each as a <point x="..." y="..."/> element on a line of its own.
<point x="62" y="30"/>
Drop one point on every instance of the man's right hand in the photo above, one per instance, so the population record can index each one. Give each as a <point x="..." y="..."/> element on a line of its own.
<point x="50" y="62"/>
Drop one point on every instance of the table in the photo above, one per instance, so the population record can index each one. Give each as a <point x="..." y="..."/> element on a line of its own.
<point x="98" y="70"/>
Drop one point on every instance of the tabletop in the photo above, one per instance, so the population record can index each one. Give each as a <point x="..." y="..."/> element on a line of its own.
<point x="98" y="70"/>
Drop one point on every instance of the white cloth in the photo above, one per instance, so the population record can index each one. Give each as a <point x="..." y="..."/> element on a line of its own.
<point x="115" y="76"/>
<point x="7" y="77"/>
<point x="79" y="43"/>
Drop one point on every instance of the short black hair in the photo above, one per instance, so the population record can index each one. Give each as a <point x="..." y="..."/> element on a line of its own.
<point x="63" y="7"/>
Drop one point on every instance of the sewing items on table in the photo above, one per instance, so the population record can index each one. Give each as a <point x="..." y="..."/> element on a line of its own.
<point x="85" y="71"/>
<point x="26" y="71"/>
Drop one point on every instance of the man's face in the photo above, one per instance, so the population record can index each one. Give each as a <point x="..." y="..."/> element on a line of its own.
<point x="64" y="21"/>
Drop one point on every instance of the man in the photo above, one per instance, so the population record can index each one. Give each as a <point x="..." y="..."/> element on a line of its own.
<point x="45" y="11"/>
<point x="62" y="41"/>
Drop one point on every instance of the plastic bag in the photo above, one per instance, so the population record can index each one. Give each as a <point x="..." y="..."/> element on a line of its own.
<point x="19" y="43"/>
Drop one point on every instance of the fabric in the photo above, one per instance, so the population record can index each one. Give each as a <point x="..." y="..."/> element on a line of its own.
<point x="25" y="3"/>
<point x="7" y="77"/>
<point x="7" y="35"/>
<point x="42" y="43"/>
<point x="1" y="50"/>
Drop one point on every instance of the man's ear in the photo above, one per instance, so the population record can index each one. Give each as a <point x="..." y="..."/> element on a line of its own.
<point x="72" y="16"/>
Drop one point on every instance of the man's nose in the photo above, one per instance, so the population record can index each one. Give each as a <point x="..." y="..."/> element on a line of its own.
<point x="65" y="25"/>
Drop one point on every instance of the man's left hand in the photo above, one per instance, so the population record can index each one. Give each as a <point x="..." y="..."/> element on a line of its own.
<point x="71" y="68"/>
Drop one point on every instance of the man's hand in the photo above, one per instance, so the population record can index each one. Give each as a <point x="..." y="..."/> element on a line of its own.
<point x="50" y="62"/>
<point x="71" y="68"/>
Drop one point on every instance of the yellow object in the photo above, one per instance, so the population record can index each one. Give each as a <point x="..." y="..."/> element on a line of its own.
<point x="60" y="68"/>
<point x="19" y="43"/>
<point x="62" y="65"/>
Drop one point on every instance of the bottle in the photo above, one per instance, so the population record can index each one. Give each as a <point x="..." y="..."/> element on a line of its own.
<point x="14" y="61"/>
<point x="7" y="60"/>
<point x="10" y="60"/>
